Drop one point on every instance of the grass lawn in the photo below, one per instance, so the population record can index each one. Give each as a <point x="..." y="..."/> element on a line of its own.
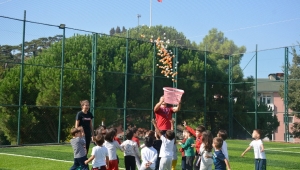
<point x="280" y="156"/>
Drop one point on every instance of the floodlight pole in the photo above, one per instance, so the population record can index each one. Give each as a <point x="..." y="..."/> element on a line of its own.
<point x="63" y="27"/>
<point x="150" y="13"/>
<point x="139" y="16"/>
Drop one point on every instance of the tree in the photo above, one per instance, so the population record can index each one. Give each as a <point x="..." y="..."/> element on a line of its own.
<point x="118" y="30"/>
<point x="41" y="88"/>
<point x="124" y="29"/>
<point x="222" y="47"/>
<point x="112" y="31"/>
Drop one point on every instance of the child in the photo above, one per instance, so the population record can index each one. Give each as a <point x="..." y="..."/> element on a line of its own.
<point x="131" y="151"/>
<point x="78" y="145"/>
<point x="151" y="134"/>
<point x="183" y="158"/>
<point x="157" y="145"/>
<point x="198" y="134"/>
<point x="100" y="130"/>
<point x="116" y="137"/>
<point x="112" y="147"/>
<point x="166" y="149"/>
<point x="188" y="151"/>
<point x="148" y="154"/>
<point x="99" y="155"/>
<point x="174" y="158"/>
<point x="258" y="147"/>
<point x="223" y="134"/>
<point x="218" y="157"/>
<point x="83" y="136"/>
<point x="206" y="151"/>
<point x="136" y="139"/>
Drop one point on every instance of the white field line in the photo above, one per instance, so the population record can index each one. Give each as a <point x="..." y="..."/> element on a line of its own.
<point x="281" y="151"/>
<point x="284" y="151"/>
<point x="282" y="148"/>
<point x="50" y="159"/>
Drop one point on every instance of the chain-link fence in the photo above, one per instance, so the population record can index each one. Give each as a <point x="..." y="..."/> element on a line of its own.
<point x="53" y="67"/>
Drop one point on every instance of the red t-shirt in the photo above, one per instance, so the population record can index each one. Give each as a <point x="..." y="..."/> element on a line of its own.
<point x="163" y="116"/>
<point x="181" y="149"/>
<point x="136" y="140"/>
<point x="117" y="139"/>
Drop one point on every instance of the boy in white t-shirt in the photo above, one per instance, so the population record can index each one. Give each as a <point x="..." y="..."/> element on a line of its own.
<point x="259" y="151"/>
<point x="166" y="150"/>
<point x="223" y="134"/>
<point x="148" y="155"/>
<point x="131" y="151"/>
<point x="99" y="154"/>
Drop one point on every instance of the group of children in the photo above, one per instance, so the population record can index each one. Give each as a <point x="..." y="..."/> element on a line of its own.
<point x="199" y="154"/>
<point x="204" y="145"/>
<point x="159" y="151"/>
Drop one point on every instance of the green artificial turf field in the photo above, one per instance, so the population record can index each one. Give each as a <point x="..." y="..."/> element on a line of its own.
<point x="280" y="156"/>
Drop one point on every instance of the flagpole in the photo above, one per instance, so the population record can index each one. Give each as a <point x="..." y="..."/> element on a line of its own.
<point x="150" y="13"/>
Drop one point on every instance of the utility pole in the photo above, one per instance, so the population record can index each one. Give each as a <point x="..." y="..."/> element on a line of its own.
<point x="139" y="16"/>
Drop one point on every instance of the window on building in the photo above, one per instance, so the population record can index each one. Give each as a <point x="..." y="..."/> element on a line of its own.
<point x="290" y="119"/>
<point x="265" y="99"/>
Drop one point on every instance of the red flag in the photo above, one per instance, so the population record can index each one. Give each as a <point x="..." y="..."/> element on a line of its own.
<point x="159" y="0"/>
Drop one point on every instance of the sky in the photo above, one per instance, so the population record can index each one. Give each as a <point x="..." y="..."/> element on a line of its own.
<point x="270" y="24"/>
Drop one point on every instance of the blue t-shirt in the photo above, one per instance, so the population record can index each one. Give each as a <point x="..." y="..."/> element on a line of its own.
<point x="219" y="160"/>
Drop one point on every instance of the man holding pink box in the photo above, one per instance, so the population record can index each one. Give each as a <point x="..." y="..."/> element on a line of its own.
<point x="163" y="113"/>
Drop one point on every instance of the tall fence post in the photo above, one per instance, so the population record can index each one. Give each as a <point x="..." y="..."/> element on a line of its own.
<point x="205" y="84"/>
<point x="286" y="84"/>
<point x="175" y="67"/>
<point x="153" y="81"/>
<point x="125" y="89"/>
<point x="63" y="27"/>
<point x="230" y="70"/>
<point x="21" y="81"/>
<point x="93" y="76"/>
<point x="255" y="87"/>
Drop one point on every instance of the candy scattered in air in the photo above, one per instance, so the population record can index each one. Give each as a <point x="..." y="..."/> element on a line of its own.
<point x="166" y="58"/>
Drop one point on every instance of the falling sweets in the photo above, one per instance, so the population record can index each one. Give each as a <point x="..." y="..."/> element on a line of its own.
<point x="166" y="58"/>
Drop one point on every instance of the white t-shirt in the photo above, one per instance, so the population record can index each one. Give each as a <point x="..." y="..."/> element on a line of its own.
<point x="149" y="155"/>
<point x="175" y="152"/>
<point x="130" y="148"/>
<point x="100" y="153"/>
<point x="204" y="160"/>
<point x="256" y="144"/>
<point x="166" y="149"/>
<point x="224" y="150"/>
<point x="112" y="149"/>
